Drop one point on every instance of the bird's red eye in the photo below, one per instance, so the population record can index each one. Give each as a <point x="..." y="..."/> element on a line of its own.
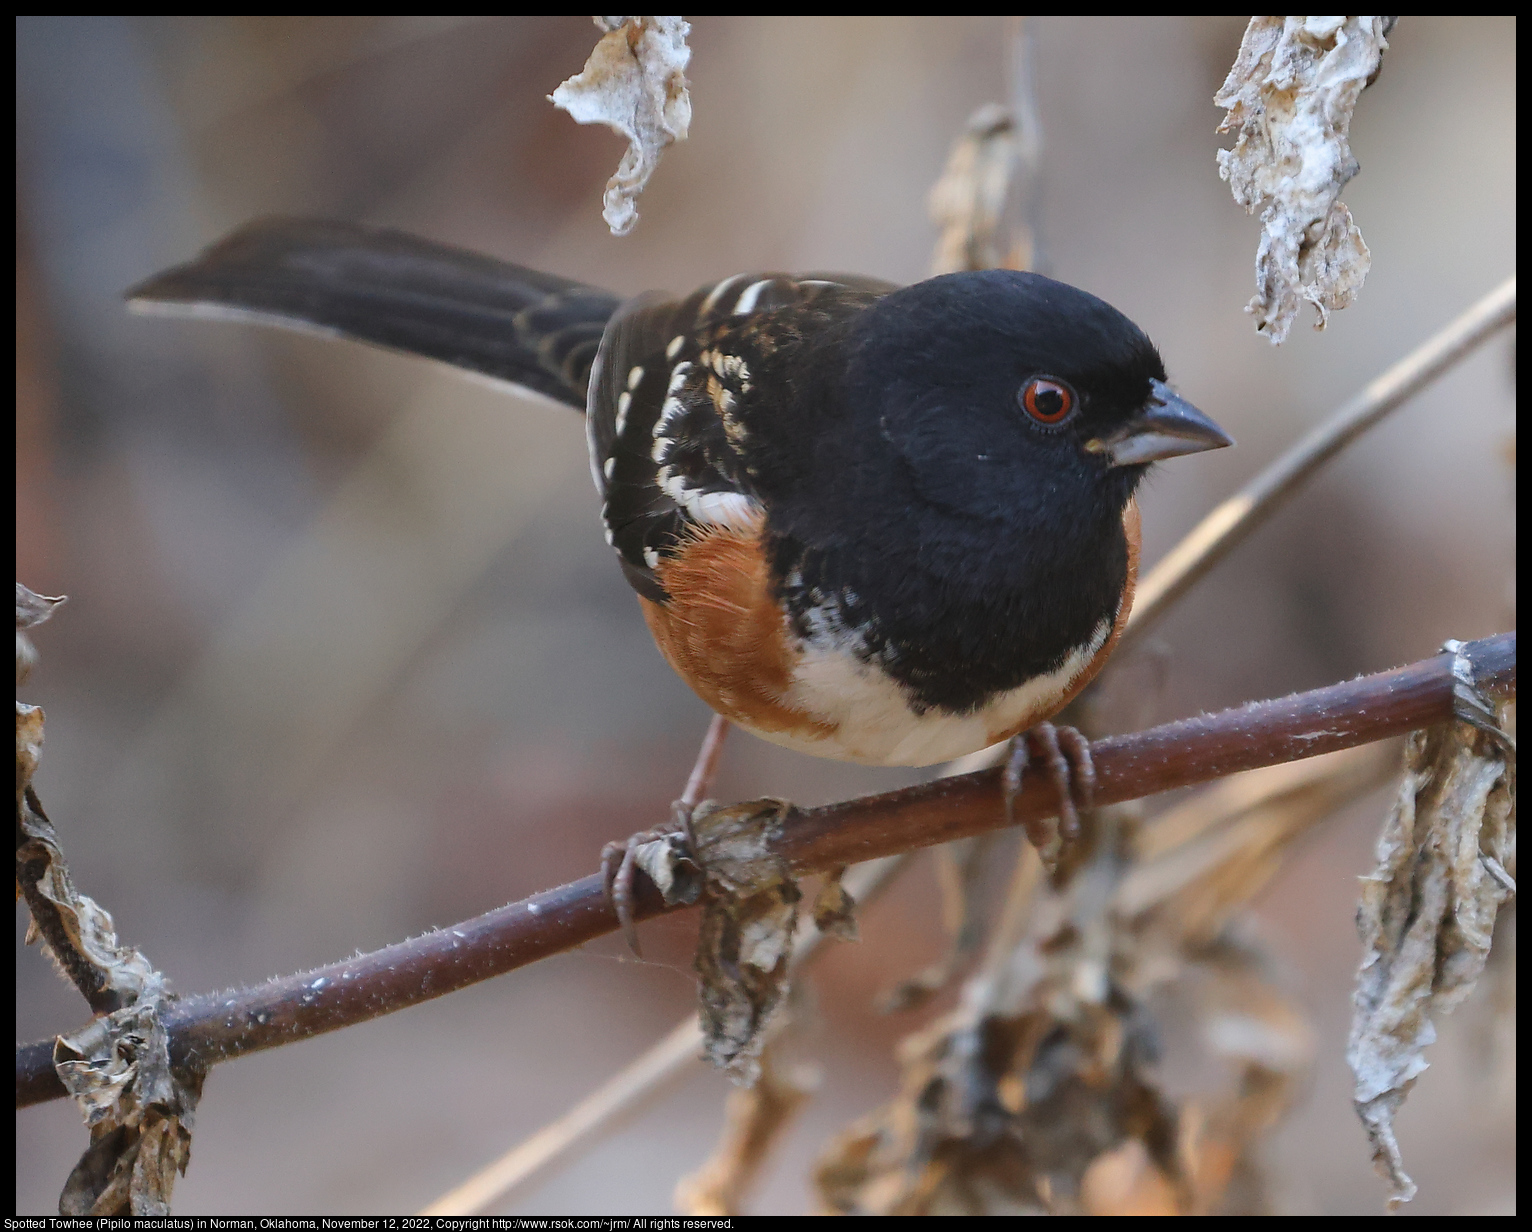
<point x="1048" y="402"/>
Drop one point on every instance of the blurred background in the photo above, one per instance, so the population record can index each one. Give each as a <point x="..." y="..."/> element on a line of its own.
<point x="345" y="656"/>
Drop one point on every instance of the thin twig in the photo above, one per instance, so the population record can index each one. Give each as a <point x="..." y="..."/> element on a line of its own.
<point x="216" y="1027"/>
<point x="1218" y="533"/>
<point x="629" y="1088"/>
<point x="620" y="1094"/>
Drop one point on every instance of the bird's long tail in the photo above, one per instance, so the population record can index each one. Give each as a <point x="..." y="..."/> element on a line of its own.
<point x="397" y="291"/>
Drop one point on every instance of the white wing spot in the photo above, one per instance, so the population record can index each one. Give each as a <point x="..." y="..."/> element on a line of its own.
<point x="752" y="293"/>
<point x="608" y="467"/>
<point x="624" y="401"/>
<point x="651" y="558"/>
<point x="678" y="377"/>
<point x="732" y="367"/>
<point x="731" y="509"/>
<point x="635" y="375"/>
<point x="716" y="293"/>
<point x="675" y="346"/>
<point x="670" y="411"/>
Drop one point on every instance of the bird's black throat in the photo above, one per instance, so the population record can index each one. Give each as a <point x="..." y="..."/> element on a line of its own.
<point x="958" y="610"/>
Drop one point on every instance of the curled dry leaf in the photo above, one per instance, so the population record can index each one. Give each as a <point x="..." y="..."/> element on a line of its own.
<point x="75" y="931"/>
<point x="1290" y="96"/>
<point x="117" y="1068"/>
<point x="835" y="908"/>
<point x="1446" y="864"/>
<point x="635" y="84"/>
<point x="139" y="1109"/>
<point x="31" y="609"/>
<point x="749" y="914"/>
<point x="968" y="202"/>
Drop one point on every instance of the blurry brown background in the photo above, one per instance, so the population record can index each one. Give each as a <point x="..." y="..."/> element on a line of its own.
<point x="345" y="655"/>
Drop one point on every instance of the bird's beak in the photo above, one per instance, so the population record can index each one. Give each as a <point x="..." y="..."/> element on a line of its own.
<point x="1167" y="427"/>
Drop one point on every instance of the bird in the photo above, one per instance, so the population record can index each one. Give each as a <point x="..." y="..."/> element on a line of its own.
<point x="875" y="523"/>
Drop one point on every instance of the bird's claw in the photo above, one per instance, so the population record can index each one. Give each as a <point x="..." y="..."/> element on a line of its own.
<point x="1065" y="755"/>
<point x="619" y="866"/>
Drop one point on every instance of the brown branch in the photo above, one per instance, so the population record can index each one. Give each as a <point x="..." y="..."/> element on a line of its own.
<point x="216" y="1027"/>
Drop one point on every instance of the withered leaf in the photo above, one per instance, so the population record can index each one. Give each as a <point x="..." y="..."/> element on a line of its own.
<point x="1038" y="1096"/>
<point x="635" y="84"/>
<point x="31" y="609"/>
<point x="117" y="1068"/>
<point x="749" y="914"/>
<point x="75" y="931"/>
<point x="835" y="909"/>
<point x="1445" y="864"/>
<point x="139" y="1110"/>
<point x="968" y="202"/>
<point x="1290" y="96"/>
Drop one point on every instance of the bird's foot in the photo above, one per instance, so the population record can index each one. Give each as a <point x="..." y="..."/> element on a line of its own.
<point x="620" y="862"/>
<point x="1065" y="756"/>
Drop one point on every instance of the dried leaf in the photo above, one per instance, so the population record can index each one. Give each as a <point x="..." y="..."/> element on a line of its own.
<point x="835" y="909"/>
<point x="968" y="202"/>
<point x="31" y="609"/>
<point x="1290" y="96"/>
<point x="1037" y="1095"/>
<point x="1446" y="863"/>
<point x="668" y="863"/>
<point x="74" y="930"/>
<point x="118" y="1067"/>
<point x="635" y="84"/>
<point x="138" y="1107"/>
<point x="745" y="940"/>
<point x="1006" y="1104"/>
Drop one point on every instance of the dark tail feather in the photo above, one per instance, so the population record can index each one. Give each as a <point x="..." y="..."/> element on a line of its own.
<point x="396" y="291"/>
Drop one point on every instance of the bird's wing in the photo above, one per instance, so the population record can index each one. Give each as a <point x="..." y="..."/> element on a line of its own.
<point x="397" y="291"/>
<point x="671" y="395"/>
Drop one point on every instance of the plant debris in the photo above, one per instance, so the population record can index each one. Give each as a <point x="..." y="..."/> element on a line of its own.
<point x="635" y="84"/>
<point x="968" y="202"/>
<point x="1290" y="95"/>
<point x="1446" y="864"/>
<point x="749" y="915"/>
<point x="31" y="609"/>
<point x="138" y="1106"/>
<point x="1039" y="1094"/>
<point x="117" y="1068"/>
<point x="960" y="868"/>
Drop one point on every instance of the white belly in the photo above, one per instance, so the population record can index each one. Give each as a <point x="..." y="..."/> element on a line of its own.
<point x="870" y="717"/>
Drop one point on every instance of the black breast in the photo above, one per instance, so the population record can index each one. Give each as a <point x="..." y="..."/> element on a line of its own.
<point x="950" y="613"/>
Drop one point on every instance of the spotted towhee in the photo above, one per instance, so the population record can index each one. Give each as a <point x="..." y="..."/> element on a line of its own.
<point x="878" y="524"/>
